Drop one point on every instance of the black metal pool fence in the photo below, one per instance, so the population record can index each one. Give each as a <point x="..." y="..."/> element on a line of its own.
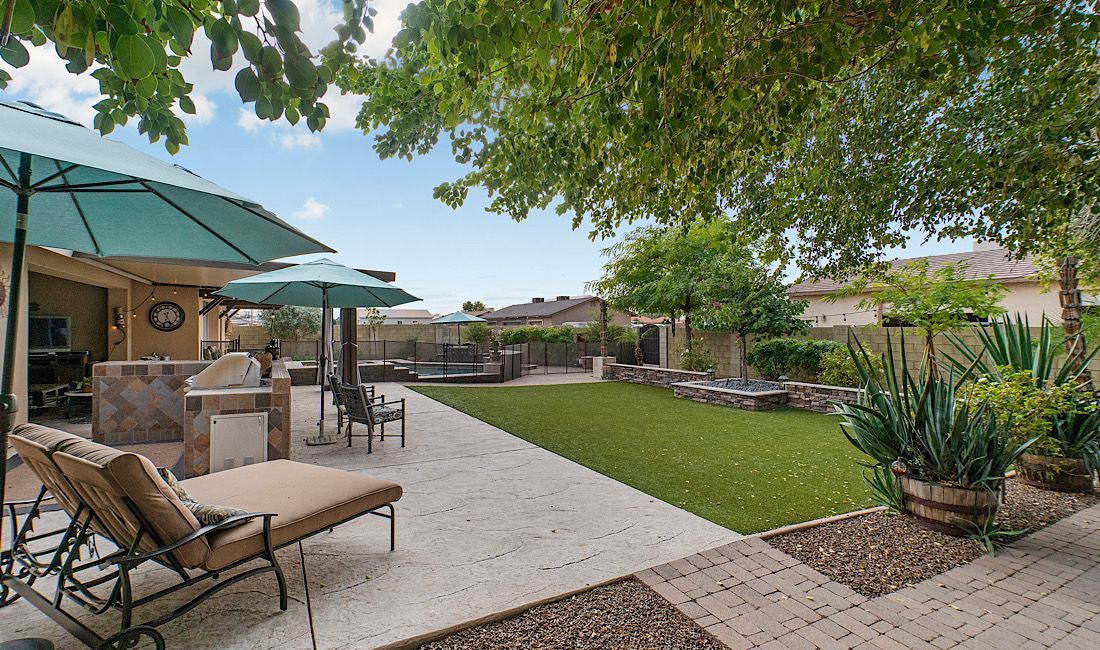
<point x="414" y="360"/>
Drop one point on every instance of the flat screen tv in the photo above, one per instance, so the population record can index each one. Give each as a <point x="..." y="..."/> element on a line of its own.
<point x="49" y="334"/>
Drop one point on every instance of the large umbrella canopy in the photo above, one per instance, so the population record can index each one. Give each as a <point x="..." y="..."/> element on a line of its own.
<point x="307" y="284"/>
<point x="321" y="283"/>
<point x="64" y="186"/>
<point x="94" y="195"/>
<point x="458" y="318"/>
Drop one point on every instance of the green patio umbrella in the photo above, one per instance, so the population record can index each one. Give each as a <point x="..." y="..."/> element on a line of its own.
<point x="458" y="318"/>
<point x="65" y="186"/>
<point x="320" y="283"/>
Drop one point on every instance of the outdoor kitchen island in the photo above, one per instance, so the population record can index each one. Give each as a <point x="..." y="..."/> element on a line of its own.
<point x="148" y="402"/>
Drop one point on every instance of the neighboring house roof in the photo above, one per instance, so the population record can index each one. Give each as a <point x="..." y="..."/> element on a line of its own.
<point x="980" y="264"/>
<point x="536" y="309"/>
<point x="406" y="313"/>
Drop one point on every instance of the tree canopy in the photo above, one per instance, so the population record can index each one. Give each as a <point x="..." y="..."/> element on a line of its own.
<point x="664" y="271"/>
<point x="291" y="323"/>
<point x="473" y="305"/>
<point x="933" y="301"/>
<point x="135" y="50"/>
<point x="673" y="111"/>
<point x="746" y="298"/>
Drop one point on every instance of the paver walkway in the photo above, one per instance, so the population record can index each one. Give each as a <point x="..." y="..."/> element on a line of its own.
<point x="1042" y="592"/>
<point x="488" y="522"/>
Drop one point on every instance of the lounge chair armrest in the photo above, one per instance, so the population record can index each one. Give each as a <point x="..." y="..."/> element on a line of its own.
<point x="205" y="530"/>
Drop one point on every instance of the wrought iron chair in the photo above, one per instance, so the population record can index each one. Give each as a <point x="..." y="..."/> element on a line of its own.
<point x="338" y="398"/>
<point x="359" y="408"/>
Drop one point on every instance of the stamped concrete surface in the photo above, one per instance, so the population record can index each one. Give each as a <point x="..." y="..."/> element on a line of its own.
<point x="488" y="522"/>
<point x="1042" y="592"/>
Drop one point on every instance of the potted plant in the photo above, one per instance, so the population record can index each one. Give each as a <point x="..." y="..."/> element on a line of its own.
<point x="1016" y="375"/>
<point x="84" y="385"/>
<point x="937" y="456"/>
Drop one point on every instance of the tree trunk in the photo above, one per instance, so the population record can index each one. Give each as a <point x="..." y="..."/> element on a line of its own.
<point x="687" y="323"/>
<point x="930" y="354"/>
<point x="743" y="342"/>
<point x="603" y="328"/>
<point x="1069" y="296"/>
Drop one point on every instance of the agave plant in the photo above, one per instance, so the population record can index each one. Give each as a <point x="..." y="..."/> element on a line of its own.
<point x="920" y="421"/>
<point x="1077" y="434"/>
<point x="1009" y="343"/>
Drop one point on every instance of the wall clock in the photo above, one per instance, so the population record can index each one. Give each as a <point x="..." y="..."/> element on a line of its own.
<point x="166" y="316"/>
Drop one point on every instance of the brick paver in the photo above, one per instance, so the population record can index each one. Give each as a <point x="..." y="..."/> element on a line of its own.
<point x="1042" y="592"/>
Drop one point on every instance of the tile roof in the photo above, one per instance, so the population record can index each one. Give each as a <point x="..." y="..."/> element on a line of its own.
<point x="535" y="309"/>
<point x="982" y="264"/>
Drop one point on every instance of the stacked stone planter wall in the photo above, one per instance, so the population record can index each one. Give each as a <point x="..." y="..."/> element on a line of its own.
<point x="650" y="375"/>
<point x="749" y="401"/>
<point x="817" y="397"/>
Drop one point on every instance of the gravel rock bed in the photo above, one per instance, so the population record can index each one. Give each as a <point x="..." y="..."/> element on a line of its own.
<point x="750" y="386"/>
<point x="880" y="553"/>
<point x="623" y="615"/>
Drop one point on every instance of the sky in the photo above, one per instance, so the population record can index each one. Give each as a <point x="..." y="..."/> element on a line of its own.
<point x="378" y="214"/>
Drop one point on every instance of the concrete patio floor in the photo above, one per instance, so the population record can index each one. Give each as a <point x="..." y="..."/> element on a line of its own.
<point x="488" y="522"/>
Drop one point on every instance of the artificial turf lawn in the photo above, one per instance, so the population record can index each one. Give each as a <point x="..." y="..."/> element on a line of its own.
<point x="746" y="470"/>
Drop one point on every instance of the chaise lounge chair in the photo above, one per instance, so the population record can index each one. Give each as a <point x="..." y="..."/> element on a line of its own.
<point x="122" y="498"/>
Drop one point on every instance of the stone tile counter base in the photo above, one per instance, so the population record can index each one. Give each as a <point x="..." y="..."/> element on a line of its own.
<point x="139" y="401"/>
<point x="273" y="399"/>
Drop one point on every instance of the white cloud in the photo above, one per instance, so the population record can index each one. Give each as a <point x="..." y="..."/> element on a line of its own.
<point x="300" y="140"/>
<point x="248" y="121"/>
<point x="312" y="209"/>
<point x="46" y="82"/>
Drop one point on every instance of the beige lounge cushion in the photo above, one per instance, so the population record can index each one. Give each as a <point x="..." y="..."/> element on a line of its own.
<point x="35" y="444"/>
<point x="104" y="477"/>
<point x="307" y="498"/>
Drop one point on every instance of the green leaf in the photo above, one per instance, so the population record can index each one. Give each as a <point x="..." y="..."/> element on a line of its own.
<point x="120" y="19"/>
<point x="15" y="53"/>
<point x="248" y="85"/>
<point x="22" y="19"/>
<point x="181" y="25"/>
<point x="285" y="14"/>
<point x="248" y="7"/>
<point x="187" y="105"/>
<point x="250" y="46"/>
<point x="300" y="72"/>
<point x="223" y="39"/>
<point x="132" y="56"/>
<point x="146" y="87"/>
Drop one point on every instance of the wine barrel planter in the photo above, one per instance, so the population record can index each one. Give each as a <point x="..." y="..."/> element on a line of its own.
<point x="1055" y="473"/>
<point x="940" y="507"/>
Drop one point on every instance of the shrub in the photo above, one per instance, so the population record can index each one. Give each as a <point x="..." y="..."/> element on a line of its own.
<point x="697" y="359"/>
<point x="477" y="333"/>
<point x="838" y="368"/>
<point x="774" y="358"/>
<point x="616" y="333"/>
<point x="291" y="323"/>
<point x="529" y="333"/>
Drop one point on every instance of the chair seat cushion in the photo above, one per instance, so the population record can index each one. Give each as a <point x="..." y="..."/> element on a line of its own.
<point x="307" y="498"/>
<point x="386" y="414"/>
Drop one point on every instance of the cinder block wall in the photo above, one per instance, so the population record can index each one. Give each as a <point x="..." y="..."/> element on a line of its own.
<point x="727" y="353"/>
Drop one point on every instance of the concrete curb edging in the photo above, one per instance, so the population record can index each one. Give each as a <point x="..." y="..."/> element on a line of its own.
<point x="496" y="617"/>
<point x="814" y="523"/>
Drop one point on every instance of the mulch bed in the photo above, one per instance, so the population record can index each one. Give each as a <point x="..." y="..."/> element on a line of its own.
<point x="880" y="553"/>
<point x="623" y="615"/>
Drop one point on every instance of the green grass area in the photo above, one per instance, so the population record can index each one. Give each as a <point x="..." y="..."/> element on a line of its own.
<point x="746" y="470"/>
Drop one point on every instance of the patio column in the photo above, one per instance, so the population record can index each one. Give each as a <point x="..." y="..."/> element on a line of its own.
<point x="349" y="340"/>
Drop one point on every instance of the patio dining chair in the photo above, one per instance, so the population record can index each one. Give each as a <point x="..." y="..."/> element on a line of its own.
<point x="359" y="408"/>
<point x="338" y="398"/>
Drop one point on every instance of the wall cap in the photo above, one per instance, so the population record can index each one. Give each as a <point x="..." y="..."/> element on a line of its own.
<point x="718" y="389"/>
<point x="827" y="386"/>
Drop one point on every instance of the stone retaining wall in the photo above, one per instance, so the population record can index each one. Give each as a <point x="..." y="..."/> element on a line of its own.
<point x="817" y="397"/>
<point x="650" y="374"/>
<point x="762" y="401"/>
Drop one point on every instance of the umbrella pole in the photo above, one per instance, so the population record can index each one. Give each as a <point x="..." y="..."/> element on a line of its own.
<point x="322" y="368"/>
<point x="9" y="402"/>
